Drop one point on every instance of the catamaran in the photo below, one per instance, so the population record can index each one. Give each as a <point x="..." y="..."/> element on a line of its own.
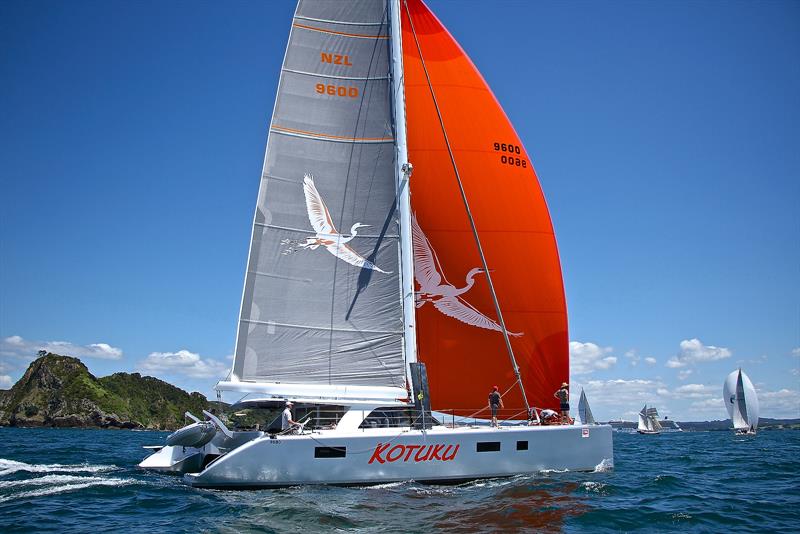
<point x="741" y="402"/>
<point x="402" y="262"/>
<point x="648" y="421"/>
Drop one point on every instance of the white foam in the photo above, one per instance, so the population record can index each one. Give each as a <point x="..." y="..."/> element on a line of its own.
<point x="606" y="465"/>
<point x="8" y="467"/>
<point x="553" y="471"/>
<point x="387" y="485"/>
<point x="47" y="480"/>
<point x="85" y="482"/>
<point x="594" y="487"/>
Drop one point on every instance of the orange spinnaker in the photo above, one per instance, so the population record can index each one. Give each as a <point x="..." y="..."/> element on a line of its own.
<point x="463" y="360"/>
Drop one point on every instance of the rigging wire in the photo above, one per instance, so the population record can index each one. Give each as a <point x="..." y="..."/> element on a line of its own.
<point x="469" y="215"/>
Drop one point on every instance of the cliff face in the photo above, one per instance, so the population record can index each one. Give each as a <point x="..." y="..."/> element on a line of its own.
<point x="59" y="391"/>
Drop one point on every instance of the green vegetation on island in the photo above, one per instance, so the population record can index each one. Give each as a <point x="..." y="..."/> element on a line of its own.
<point x="59" y="391"/>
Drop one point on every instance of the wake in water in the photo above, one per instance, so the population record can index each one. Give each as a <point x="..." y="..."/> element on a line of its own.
<point x="8" y="467"/>
<point x="50" y="484"/>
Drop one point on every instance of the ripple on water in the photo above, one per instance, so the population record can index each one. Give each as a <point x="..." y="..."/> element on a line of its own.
<point x="705" y="482"/>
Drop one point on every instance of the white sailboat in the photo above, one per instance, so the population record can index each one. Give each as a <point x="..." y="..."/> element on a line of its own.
<point x="741" y="402"/>
<point x="648" y="421"/>
<point x="367" y="88"/>
<point x="585" y="416"/>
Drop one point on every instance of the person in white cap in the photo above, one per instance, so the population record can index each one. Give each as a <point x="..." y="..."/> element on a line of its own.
<point x="288" y="425"/>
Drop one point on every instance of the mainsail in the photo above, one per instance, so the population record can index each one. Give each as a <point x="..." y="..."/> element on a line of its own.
<point x="584" y="412"/>
<point x="741" y="400"/>
<point x="643" y="420"/>
<point x="322" y="304"/>
<point x="461" y="339"/>
<point x="652" y="419"/>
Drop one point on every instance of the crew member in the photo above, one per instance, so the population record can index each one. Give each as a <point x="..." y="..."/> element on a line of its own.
<point x="563" y="396"/>
<point x="288" y="425"/>
<point x="495" y="402"/>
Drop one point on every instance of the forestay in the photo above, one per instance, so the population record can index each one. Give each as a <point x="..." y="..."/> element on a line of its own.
<point x="322" y="302"/>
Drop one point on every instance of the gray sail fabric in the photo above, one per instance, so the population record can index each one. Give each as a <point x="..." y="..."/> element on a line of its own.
<point x="584" y="412"/>
<point x="308" y="316"/>
<point x="740" y="400"/>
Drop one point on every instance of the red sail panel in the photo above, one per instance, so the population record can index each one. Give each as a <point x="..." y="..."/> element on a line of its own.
<point x="458" y="335"/>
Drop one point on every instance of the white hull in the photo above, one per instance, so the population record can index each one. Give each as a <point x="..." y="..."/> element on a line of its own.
<point x="375" y="456"/>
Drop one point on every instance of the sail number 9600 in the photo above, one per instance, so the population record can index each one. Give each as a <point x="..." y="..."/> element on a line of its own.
<point x="337" y="90"/>
<point x="511" y="158"/>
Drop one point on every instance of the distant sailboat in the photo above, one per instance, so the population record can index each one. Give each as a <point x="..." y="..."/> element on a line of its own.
<point x="585" y="416"/>
<point x="648" y="421"/>
<point x="741" y="402"/>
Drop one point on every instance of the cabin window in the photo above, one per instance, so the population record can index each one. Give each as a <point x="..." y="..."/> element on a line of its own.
<point x="522" y="445"/>
<point x="395" y="417"/>
<point x="488" y="446"/>
<point x="330" y="452"/>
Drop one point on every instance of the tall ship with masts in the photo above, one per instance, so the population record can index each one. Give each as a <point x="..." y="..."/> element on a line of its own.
<point x="402" y="262"/>
<point x="648" y="421"/>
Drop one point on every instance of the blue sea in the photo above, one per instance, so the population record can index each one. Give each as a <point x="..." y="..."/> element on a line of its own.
<point x="70" y="480"/>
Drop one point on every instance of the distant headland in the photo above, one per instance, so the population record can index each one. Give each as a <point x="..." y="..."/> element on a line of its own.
<point x="59" y="391"/>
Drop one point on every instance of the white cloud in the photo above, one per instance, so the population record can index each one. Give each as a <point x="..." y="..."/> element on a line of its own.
<point x="694" y="351"/>
<point x="15" y="346"/>
<point x="185" y="363"/>
<point x="696" y="391"/>
<point x="650" y="360"/>
<point x="710" y="404"/>
<point x="781" y="403"/>
<point x="796" y="352"/>
<point x="619" y="396"/>
<point x="6" y="382"/>
<point x="633" y="357"/>
<point x="684" y="374"/>
<point x="588" y="357"/>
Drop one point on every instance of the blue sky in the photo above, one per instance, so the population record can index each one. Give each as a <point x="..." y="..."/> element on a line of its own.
<point x="666" y="137"/>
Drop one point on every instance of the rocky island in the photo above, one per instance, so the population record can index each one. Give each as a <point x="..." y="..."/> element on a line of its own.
<point x="59" y="391"/>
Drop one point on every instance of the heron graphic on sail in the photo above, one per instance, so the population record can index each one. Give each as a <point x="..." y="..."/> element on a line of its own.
<point x="436" y="289"/>
<point x="326" y="233"/>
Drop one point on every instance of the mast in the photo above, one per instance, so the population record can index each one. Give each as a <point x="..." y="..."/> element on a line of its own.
<point x="403" y="174"/>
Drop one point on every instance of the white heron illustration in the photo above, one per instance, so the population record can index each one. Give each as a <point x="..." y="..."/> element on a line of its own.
<point x="327" y="235"/>
<point x="434" y="287"/>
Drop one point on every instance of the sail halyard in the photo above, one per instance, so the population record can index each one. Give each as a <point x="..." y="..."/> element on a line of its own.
<point x="486" y="270"/>
<point x="321" y="311"/>
<point x="403" y="171"/>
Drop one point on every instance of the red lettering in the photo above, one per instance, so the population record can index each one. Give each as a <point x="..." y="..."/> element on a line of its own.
<point x="445" y="458"/>
<point x="399" y="448"/>
<point x="326" y="58"/>
<point x="410" y="449"/>
<point x="436" y="449"/>
<point x="379" y="449"/>
<point x="347" y="61"/>
<point x="427" y="454"/>
<point x="337" y="59"/>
